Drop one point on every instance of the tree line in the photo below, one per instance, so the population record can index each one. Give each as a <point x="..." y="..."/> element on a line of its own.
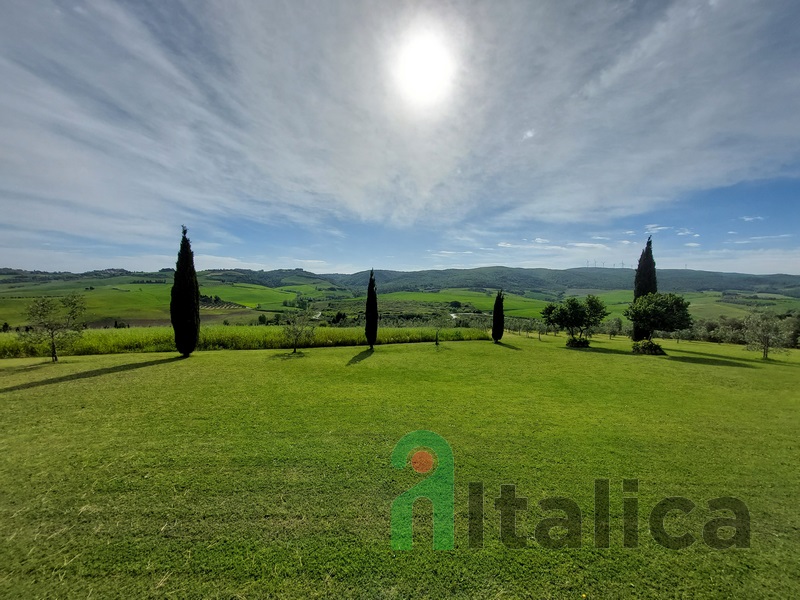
<point x="651" y="313"/>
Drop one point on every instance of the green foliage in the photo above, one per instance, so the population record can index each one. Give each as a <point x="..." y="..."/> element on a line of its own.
<point x="659" y="312"/>
<point x="578" y="317"/>
<point x="56" y="325"/>
<point x="221" y="337"/>
<point x="577" y="343"/>
<point x="299" y="330"/>
<point x="184" y="307"/>
<point x="613" y="327"/>
<point x="764" y="332"/>
<point x="498" y="318"/>
<point x="548" y="316"/>
<point x="648" y="347"/>
<point x="644" y="283"/>
<point x="371" y="312"/>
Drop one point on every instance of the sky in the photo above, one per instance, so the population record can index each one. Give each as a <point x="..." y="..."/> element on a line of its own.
<point x="340" y="136"/>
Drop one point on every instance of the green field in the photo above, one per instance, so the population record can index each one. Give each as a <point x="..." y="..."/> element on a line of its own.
<point x="257" y="474"/>
<point x="120" y="299"/>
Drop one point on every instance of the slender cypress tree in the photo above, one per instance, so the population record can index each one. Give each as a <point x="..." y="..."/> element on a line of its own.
<point x="498" y="318"/>
<point x="371" y="330"/>
<point x="644" y="283"/>
<point x="184" y="306"/>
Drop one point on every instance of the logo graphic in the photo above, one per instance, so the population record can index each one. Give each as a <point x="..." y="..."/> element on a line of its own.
<point x="432" y="455"/>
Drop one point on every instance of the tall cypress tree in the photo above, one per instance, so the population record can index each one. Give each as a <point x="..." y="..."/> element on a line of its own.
<point x="371" y="330"/>
<point x="184" y="306"/>
<point x="644" y="283"/>
<point x="498" y="318"/>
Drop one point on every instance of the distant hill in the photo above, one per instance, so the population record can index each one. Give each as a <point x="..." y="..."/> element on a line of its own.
<point x="520" y="281"/>
<point x="513" y="280"/>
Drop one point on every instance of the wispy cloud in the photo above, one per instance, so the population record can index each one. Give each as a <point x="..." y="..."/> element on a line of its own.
<point x="122" y="120"/>
<point x="771" y="237"/>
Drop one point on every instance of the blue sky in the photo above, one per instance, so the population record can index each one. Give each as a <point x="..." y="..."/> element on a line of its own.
<point x="339" y="136"/>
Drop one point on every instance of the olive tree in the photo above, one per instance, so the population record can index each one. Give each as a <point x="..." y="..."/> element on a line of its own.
<point x="57" y="322"/>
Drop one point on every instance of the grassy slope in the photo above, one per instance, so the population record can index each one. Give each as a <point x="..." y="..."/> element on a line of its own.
<point x="250" y="473"/>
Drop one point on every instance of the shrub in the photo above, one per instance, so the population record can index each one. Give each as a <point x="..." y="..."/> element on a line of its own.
<point x="648" y="347"/>
<point x="577" y="343"/>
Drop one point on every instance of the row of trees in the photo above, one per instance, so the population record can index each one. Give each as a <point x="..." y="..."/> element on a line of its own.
<point x="650" y="312"/>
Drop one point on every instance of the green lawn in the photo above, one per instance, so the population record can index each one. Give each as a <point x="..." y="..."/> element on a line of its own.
<point x="254" y="474"/>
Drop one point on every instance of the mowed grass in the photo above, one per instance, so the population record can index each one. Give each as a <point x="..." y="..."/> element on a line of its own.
<point x="257" y="474"/>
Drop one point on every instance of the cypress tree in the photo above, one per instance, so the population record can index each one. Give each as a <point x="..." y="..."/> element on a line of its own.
<point x="644" y="283"/>
<point x="498" y="318"/>
<point x="184" y="306"/>
<point x="371" y="330"/>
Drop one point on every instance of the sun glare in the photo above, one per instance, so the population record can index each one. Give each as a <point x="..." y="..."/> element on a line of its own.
<point x="424" y="70"/>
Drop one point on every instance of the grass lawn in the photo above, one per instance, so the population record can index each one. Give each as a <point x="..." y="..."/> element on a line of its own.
<point x="256" y="474"/>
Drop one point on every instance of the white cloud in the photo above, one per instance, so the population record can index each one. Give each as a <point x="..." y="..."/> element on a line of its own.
<point x="655" y="228"/>
<point x="692" y="245"/>
<point x="267" y="112"/>
<point x="751" y="219"/>
<point x="539" y="240"/>
<point x="771" y="237"/>
<point x="588" y="245"/>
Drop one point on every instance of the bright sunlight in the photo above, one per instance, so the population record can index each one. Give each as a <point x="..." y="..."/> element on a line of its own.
<point x="425" y="69"/>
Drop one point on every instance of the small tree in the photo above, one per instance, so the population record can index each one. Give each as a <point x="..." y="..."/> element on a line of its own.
<point x="441" y="321"/>
<point x="659" y="312"/>
<point x="371" y="328"/>
<point x="498" y="319"/>
<point x="299" y="330"/>
<point x="644" y="283"/>
<point x="547" y="317"/>
<point x="53" y="323"/>
<point x="6" y="327"/>
<point x="540" y="327"/>
<point x="614" y="327"/>
<point x="578" y="318"/>
<point x="765" y="332"/>
<point x="184" y="306"/>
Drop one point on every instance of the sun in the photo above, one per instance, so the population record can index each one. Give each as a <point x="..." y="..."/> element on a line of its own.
<point x="424" y="70"/>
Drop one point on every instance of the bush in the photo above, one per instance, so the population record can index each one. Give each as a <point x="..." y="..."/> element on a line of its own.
<point x="648" y="347"/>
<point x="577" y="343"/>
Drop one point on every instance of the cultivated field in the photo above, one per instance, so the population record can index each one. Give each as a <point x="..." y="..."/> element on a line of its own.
<point x="125" y="298"/>
<point x="255" y="473"/>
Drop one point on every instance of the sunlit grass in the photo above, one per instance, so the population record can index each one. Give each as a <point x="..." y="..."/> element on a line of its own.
<point x="222" y="337"/>
<point x="262" y="474"/>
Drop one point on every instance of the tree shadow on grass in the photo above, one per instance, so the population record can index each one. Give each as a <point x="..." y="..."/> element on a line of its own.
<point x="753" y="359"/>
<point x="509" y="346"/>
<point x="26" y="368"/>
<point x="595" y="350"/>
<point x="714" y="362"/>
<point x="361" y="356"/>
<point x="289" y="355"/>
<point x="89" y="374"/>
